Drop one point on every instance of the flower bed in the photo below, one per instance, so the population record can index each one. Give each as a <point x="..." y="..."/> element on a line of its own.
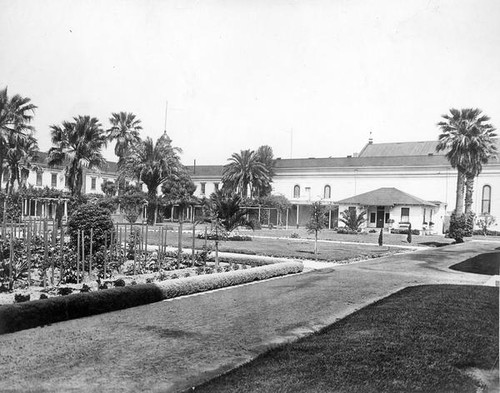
<point x="14" y="317"/>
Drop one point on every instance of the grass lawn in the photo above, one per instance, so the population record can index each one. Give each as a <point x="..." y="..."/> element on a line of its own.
<point x="487" y="263"/>
<point x="426" y="338"/>
<point x="303" y="248"/>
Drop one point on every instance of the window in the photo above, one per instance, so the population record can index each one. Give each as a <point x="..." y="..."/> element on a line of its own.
<point x="296" y="191"/>
<point x="216" y="186"/>
<point x="486" y="200"/>
<point x="372" y="217"/>
<point x="327" y="194"/>
<point x="202" y="188"/>
<point x="405" y="214"/>
<point x="53" y="181"/>
<point x="93" y="183"/>
<point x="39" y="178"/>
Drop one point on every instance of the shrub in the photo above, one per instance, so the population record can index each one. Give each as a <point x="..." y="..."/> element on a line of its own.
<point x="119" y="283"/>
<point x="381" y="237"/>
<point x="408" y="237"/>
<point x="458" y="227"/>
<point x="91" y="216"/>
<point x="294" y="235"/>
<point x="64" y="291"/>
<point x="85" y="288"/>
<point x="43" y="296"/>
<point x="20" y="298"/>
<point x="27" y="315"/>
<point x="347" y="231"/>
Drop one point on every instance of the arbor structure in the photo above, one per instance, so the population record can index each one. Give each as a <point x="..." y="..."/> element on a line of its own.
<point x="243" y="172"/>
<point x="16" y="113"/>
<point x="152" y="163"/>
<point x="125" y="128"/>
<point x="468" y="138"/>
<point x="77" y="145"/>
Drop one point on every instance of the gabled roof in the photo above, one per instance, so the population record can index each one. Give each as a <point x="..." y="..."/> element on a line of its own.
<point x="107" y="167"/>
<point x="385" y="196"/>
<point x="402" y="149"/>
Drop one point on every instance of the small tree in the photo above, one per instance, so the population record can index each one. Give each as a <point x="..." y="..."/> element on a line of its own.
<point x="132" y="205"/>
<point x="381" y="237"/>
<point x="485" y="221"/>
<point x="408" y="237"/>
<point x="352" y="219"/>
<point x="317" y="222"/>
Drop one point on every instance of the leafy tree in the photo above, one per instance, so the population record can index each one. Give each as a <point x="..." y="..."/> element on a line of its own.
<point x="317" y="222"/>
<point x="468" y="138"/>
<point x="78" y="145"/>
<point x="125" y="128"/>
<point x="485" y="221"/>
<point x="132" y="204"/>
<point x="109" y="188"/>
<point x="244" y="171"/>
<point x="152" y="163"/>
<point x="352" y="219"/>
<point x="16" y="114"/>
<point x="179" y="189"/>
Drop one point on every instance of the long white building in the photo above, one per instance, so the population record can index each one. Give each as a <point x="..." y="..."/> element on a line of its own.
<point x="394" y="183"/>
<point x="414" y="169"/>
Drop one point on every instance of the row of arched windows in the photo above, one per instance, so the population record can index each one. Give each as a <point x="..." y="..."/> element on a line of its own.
<point x="327" y="192"/>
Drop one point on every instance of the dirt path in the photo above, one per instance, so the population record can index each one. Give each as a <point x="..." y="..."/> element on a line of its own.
<point x="172" y="345"/>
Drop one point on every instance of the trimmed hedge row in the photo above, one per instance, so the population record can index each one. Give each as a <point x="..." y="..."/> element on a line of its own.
<point x="190" y="285"/>
<point x="14" y="317"/>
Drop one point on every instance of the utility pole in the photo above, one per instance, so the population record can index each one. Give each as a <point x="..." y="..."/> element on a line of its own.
<point x="166" y="111"/>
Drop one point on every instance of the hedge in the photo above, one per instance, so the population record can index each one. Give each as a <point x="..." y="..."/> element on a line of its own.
<point x="190" y="285"/>
<point x="14" y="317"/>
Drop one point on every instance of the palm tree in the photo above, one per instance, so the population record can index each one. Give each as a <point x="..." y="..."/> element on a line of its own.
<point x="262" y="186"/>
<point x="21" y="153"/>
<point x="15" y="115"/>
<point x="244" y="170"/>
<point x="467" y="137"/>
<point x="152" y="163"/>
<point x="78" y="145"/>
<point x="125" y="131"/>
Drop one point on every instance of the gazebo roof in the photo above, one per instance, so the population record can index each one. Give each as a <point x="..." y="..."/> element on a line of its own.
<point x="385" y="196"/>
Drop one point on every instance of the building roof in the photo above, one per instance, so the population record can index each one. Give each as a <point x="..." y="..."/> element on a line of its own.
<point x="107" y="167"/>
<point x="402" y="149"/>
<point x="385" y="196"/>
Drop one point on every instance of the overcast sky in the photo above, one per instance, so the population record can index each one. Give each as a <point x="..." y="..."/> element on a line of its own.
<point x="239" y="74"/>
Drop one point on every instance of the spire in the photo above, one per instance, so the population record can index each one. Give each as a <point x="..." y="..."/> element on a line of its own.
<point x="370" y="139"/>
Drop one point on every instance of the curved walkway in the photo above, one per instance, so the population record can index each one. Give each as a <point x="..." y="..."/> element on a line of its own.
<point x="173" y="345"/>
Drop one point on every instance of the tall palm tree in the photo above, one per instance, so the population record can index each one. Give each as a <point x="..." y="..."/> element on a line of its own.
<point x="78" y="145"/>
<point x="124" y="130"/>
<point x="15" y="115"/>
<point x="21" y="153"/>
<point x="244" y="170"/>
<point x="152" y="163"/>
<point x="467" y="137"/>
<point x="265" y="156"/>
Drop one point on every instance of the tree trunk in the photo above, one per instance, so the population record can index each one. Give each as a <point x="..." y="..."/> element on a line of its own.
<point x="459" y="204"/>
<point x="469" y="190"/>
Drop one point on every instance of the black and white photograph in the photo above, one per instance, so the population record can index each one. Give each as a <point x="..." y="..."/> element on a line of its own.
<point x="249" y="196"/>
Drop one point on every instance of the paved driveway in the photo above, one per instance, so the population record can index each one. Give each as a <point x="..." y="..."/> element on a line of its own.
<point x="194" y="338"/>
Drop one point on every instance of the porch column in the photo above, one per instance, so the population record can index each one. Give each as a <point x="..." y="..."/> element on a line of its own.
<point x="66" y="210"/>
<point x="330" y="218"/>
<point x="287" y="209"/>
<point x="298" y="210"/>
